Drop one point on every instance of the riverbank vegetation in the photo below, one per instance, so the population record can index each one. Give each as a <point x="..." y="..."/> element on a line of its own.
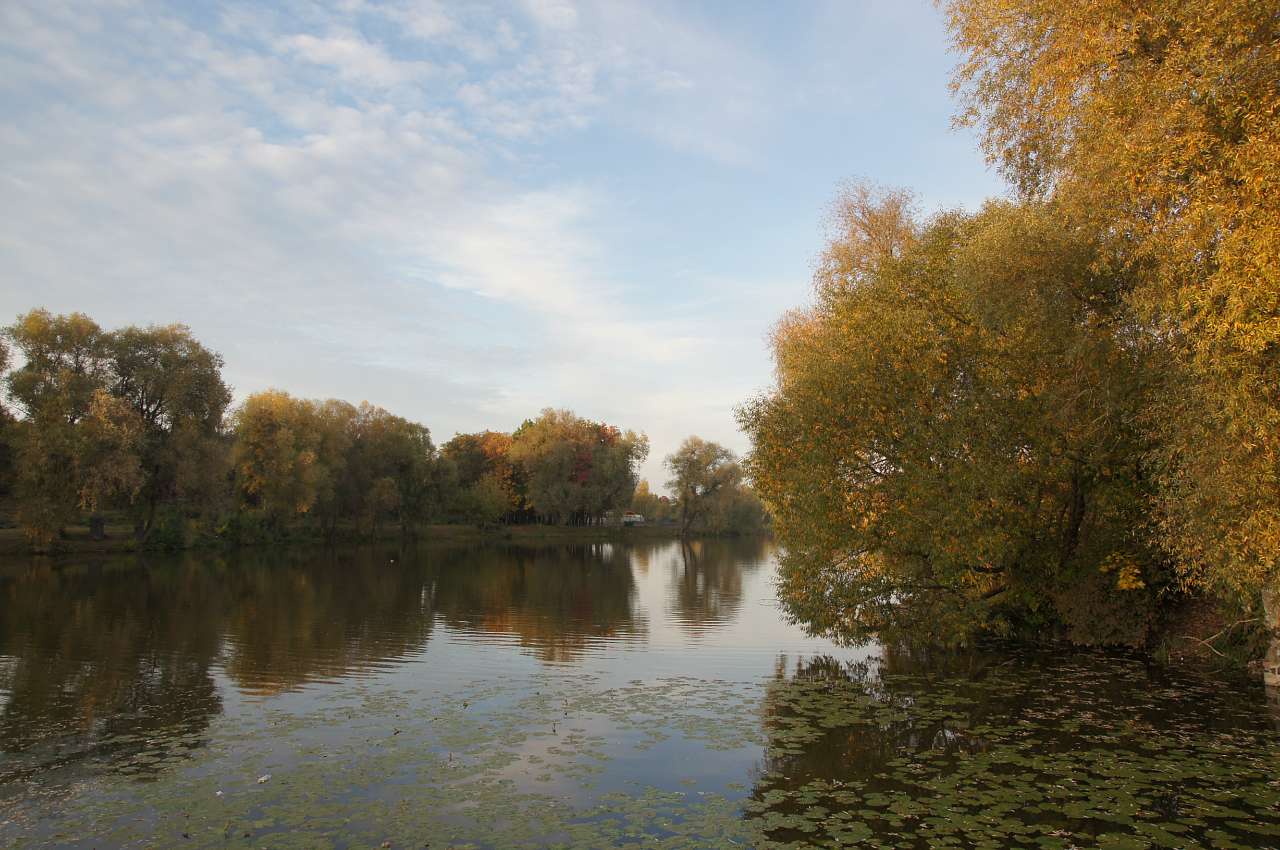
<point x="1057" y="414"/>
<point x="136" y="426"/>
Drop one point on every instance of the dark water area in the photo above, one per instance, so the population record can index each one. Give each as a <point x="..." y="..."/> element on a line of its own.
<point x="581" y="696"/>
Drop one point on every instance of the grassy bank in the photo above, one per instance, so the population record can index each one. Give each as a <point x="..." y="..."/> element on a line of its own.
<point x="120" y="539"/>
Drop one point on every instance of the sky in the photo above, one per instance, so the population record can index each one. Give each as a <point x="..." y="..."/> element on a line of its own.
<point x="464" y="212"/>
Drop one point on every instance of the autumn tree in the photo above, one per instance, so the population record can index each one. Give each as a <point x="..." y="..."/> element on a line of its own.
<point x="737" y="510"/>
<point x="371" y="466"/>
<point x="483" y="501"/>
<point x="645" y="502"/>
<point x="174" y="384"/>
<point x="341" y="492"/>
<point x="276" y="446"/>
<point x="65" y="360"/>
<point x="411" y="481"/>
<point x="1157" y="126"/>
<point x="487" y="455"/>
<point x="8" y="429"/>
<point x="951" y="445"/>
<point x="67" y="426"/>
<point x="701" y="471"/>
<point x="575" y="469"/>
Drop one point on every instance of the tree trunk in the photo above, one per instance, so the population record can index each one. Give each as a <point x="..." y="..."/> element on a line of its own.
<point x="1271" y="618"/>
<point x="143" y="531"/>
<point x="97" y="527"/>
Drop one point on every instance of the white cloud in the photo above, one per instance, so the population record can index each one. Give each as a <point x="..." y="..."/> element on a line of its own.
<point x="554" y="14"/>
<point x="368" y="199"/>
<point x="354" y="59"/>
<point x="426" y="19"/>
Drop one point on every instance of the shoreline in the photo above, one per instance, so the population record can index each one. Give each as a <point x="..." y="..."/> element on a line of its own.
<point x="120" y="541"/>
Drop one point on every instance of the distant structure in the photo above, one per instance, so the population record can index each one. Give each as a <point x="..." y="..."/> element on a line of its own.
<point x="630" y="518"/>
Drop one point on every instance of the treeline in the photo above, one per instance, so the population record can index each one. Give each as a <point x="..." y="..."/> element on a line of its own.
<point x="1060" y="414"/>
<point x="138" y="423"/>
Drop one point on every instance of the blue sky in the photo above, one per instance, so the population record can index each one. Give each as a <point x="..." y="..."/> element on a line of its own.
<point x="463" y="212"/>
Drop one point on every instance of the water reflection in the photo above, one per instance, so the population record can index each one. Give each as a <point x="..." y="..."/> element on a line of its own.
<point x="320" y="616"/>
<point x="1085" y="749"/>
<point x="119" y="660"/>
<point x="98" y="660"/>
<point x="555" y="600"/>
<point x="440" y="686"/>
<point x="706" y="580"/>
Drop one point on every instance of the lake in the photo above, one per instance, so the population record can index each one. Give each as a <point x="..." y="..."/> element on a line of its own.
<point x="584" y="696"/>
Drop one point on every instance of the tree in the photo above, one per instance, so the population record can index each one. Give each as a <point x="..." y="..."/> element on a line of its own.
<point x="8" y="429"/>
<point x="482" y="502"/>
<point x="108" y="454"/>
<point x="1156" y="126"/>
<point x="174" y="384"/>
<point x="488" y="454"/>
<point x="419" y="477"/>
<point x="738" y="510"/>
<point x="67" y="467"/>
<point x="341" y="492"/>
<point x="951" y="444"/>
<point x="73" y="445"/>
<point x="65" y="360"/>
<point x="577" y="470"/>
<point x="169" y="381"/>
<point x="277" y="439"/>
<point x="700" y="471"/>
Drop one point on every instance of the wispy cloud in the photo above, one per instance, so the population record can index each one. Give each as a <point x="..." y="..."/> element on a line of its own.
<point x="354" y="59"/>
<point x="393" y="199"/>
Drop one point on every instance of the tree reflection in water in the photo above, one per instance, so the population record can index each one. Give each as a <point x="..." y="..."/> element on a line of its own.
<point x="555" y="600"/>
<point x="706" y="580"/>
<point x="117" y="661"/>
<point x="919" y="749"/>
<point x="99" y="660"/>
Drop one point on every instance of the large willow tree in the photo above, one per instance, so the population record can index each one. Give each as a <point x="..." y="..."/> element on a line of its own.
<point x="1026" y="413"/>
<point x="1157" y="124"/>
<point x="952" y="442"/>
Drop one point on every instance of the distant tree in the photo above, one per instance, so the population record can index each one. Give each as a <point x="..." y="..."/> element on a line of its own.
<point x="58" y="388"/>
<point x="167" y="379"/>
<point x="488" y="454"/>
<point x="275" y="452"/>
<point x="575" y="469"/>
<point x="483" y="502"/>
<point x="422" y="479"/>
<point x="109" y="452"/>
<point x="645" y="502"/>
<point x="175" y="386"/>
<point x="700" y="471"/>
<point x="8" y="428"/>
<point x="69" y="468"/>
<point x="342" y="488"/>
<point x="65" y="360"/>
<point x="737" y="510"/>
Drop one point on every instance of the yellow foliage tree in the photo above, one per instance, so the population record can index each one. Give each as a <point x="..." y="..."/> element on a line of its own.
<point x="1157" y="125"/>
<point x="951" y="441"/>
<point x="277" y="438"/>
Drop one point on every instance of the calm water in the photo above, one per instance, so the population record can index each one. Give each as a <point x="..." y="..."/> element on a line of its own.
<point x="574" y="696"/>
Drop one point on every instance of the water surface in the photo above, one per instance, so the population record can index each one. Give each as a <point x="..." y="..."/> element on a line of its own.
<point x="575" y="696"/>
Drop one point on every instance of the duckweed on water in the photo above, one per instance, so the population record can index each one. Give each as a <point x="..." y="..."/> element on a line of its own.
<point x="1087" y="752"/>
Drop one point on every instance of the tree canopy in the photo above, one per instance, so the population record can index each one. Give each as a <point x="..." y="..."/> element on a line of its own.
<point x="952" y="441"/>
<point x="710" y="494"/>
<point x="1059" y="411"/>
<point x="1156" y="126"/>
<point x="138" y="422"/>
